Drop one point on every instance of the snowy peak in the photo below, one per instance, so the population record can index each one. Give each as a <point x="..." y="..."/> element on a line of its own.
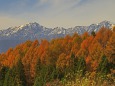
<point x="105" y="22"/>
<point x="33" y="25"/>
<point x="27" y="27"/>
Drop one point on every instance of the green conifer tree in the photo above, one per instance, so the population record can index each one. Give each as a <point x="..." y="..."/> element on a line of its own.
<point x="3" y="71"/>
<point x="103" y="66"/>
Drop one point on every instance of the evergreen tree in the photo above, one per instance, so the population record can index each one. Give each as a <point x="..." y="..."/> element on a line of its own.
<point x="3" y="71"/>
<point x="103" y="66"/>
<point x="74" y="63"/>
<point x="8" y="78"/>
<point x="37" y="82"/>
<point x="81" y="67"/>
<point x="20" y="75"/>
<point x="93" y="33"/>
<point x="15" y="76"/>
<point x="41" y="78"/>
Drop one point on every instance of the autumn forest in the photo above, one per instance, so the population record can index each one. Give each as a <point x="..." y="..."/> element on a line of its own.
<point x="76" y="60"/>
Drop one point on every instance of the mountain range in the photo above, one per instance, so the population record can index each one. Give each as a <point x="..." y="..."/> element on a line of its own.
<point x="14" y="35"/>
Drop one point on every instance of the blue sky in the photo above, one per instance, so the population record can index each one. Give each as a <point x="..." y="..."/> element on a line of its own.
<point x="52" y="13"/>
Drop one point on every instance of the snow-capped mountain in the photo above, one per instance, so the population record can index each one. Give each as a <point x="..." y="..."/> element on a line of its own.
<point x="35" y="31"/>
<point x="15" y="35"/>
